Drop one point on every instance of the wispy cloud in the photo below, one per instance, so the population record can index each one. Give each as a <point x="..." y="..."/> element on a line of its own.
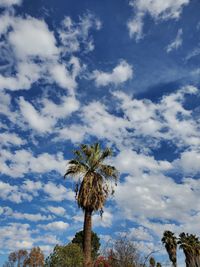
<point x="174" y="45"/>
<point x="158" y="10"/>
<point x="120" y="74"/>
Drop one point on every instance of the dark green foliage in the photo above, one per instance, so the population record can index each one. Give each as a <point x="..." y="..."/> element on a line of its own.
<point x="190" y="245"/>
<point x="70" y="255"/>
<point x="78" y="239"/>
<point x="170" y="242"/>
<point x="152" y="262"/>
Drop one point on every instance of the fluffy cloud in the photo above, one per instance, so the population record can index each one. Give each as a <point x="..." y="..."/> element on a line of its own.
<point x="59" y="211"/>
<point x="140" y="122"/>
<point x="156" y="9"/>
<point x="176" y="43"/>
<point x="8" y="212"/>
<point x="129" y="161"/>
<point x="13" y="193"/>
<point x="55" y="226"/>
<point x="188" y="162"/>
<point x="158" y="197"/>
<point x="30" y="189"/>
<point x="39" y="45"/>
<point x="31" y="37"/>
<point x="120" y="74"/>
<point x="35" y="120"/>
<point x="8" y="139"/>
<point x="16" y="236"/>
<point x="105" y="221"/>
<point x="45" y="119"/>
<point x="58" y="192"/>
<point x="140" y="233"/>
<point x="23" y="161"/>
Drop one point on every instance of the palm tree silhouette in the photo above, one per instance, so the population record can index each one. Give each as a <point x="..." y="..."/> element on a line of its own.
<point x="170" y="242"/>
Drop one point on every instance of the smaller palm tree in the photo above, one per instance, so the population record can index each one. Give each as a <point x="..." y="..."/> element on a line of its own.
<point x="152" y="262"/>
<point x="170" y="242"/>
<point x="190" y="245"/>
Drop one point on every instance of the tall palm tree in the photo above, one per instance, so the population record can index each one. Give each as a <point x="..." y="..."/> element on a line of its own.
<point x="191" y="248"/>
<point x="93" y="186"/>
<point x="170" y="242"/>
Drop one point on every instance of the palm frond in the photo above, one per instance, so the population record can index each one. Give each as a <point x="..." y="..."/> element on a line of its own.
<point x="109" y="172"/>
<point x="75" y="168"/>
<point x="106" y="153"/>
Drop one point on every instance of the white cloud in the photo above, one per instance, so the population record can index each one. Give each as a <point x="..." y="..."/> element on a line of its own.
<point x="58" y="192"/>
<point x="31" y="217"/>
<point x="74" y="133"/>
<point x="59" y="211"/>
<point x="55" y="226"/>
<point x="36" y="121"/>
<point x="8" y="212"/>
<point x="13" y="193"/>
<point x="129" y="161"/>
<point x="28" y="40"/>
<point x="195" y="52"/>
<point x="30" y="190"/>
<point x="120" y="74"/>
<point x="31" y="37"/>
<point x="105" y="221"/>
<point x="44" y="119"/>
<point x="188" y="162"/>
<point x="23" y="161"/>
<point x="142" y="123"/>
<point x="176" y="43"/>
<point x="16" y="236"/>
<point x="135" y="26"/>
<point x="67" y="107"/>
<point x="8" y="3"/>
<point x="140" y="233"/>
<point x="159" y="197"/>
<point x="8" y="139"/>
<point x="32" y="187"/>
<point x="61" y="75"/>
<point x="73" y="35"/>
<point x="158" y="10"/>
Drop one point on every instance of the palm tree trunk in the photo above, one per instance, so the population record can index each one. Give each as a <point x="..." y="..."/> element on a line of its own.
<point x="87" y="238"/>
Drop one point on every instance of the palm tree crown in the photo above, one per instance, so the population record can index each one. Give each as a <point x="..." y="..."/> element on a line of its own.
<point x="170" y="241"/>
<point x="191" y="247"/>
<point x="93" y="189"/>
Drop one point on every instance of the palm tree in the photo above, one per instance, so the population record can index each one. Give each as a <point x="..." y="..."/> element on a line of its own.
<point x="152" y="262"/>
<point x="191" y="248"/>
<point x="170" y="242"/>
<point x="93" y="186"/>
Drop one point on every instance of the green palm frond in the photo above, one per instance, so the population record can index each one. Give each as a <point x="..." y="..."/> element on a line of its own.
<point x="106" y="153"/>
<point x="75" y="168"/>
<point x="109" y="172"/>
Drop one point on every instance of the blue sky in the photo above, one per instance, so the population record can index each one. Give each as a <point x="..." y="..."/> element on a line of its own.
<point x="125" y="73"/>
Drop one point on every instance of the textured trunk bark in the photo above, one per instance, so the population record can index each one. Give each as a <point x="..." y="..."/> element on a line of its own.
<point x="87" y="238"/>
